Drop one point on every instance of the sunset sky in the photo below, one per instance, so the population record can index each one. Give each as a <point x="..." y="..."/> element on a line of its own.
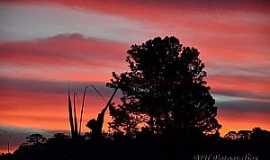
<point x="48" y="46"/>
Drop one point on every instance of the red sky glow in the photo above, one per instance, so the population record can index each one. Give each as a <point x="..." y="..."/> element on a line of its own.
<point x="48" y="46"/>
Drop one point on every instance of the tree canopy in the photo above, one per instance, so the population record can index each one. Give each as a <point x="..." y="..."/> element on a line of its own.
<point x="34" y="139"/>
<point x="164" y="89"/>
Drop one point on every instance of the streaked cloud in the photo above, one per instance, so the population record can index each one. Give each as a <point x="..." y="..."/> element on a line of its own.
<point x="51" y="87"/>
<point x="250" y="87"/>
<point x="19" y="23"/>
<point x="63" y="50"/>
<point x="69" y="56"/>
<point x="47" y="46"/>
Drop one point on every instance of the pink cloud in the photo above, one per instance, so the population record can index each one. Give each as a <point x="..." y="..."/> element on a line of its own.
<point x="65" y="49"/>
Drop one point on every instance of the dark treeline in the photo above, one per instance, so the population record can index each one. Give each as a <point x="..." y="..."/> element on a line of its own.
<point x="255" y="143"/>
<point x="166" y="111"/>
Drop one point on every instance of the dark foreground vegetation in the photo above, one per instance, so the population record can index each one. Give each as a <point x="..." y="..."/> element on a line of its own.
<point x="166" y="111"/>
<point x="179" y="146"/>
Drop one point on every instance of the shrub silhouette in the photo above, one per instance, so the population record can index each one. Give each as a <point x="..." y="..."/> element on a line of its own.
<point x="256" y="134"/>
<point x="165" y="89"/>
<point x="35" y="139"/>
<point x="144" y="146"/>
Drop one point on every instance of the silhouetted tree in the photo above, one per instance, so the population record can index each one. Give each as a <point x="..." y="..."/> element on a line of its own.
<point x="259" y="134"/>
<point x="164" y="97"/>
<point x="58" y="137"/>
<point x="256" y="134"/>
<point x="244" y="135"/>
<point x="165" y="88"/>
<point x="35" y="139"/>
<point x="232" y="135"/>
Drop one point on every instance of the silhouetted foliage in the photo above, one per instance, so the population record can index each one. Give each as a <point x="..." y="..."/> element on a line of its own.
<point x="166" y="108"/>
<point x="35" y="139"/>
<point x="58" y="137"/>
<point x="232" y="135"/>
<point x="164" y="89"/>
<point x="260" y="135"/>
<point x="257" y="134"/>
<point x="96" y="125"/>
<point x="143" y="146"/>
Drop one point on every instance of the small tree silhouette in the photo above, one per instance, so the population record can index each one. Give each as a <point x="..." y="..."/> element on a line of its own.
<point x="35" y="139"/>
<point x="165" y="88"/>
<point x="256" y="134"/>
